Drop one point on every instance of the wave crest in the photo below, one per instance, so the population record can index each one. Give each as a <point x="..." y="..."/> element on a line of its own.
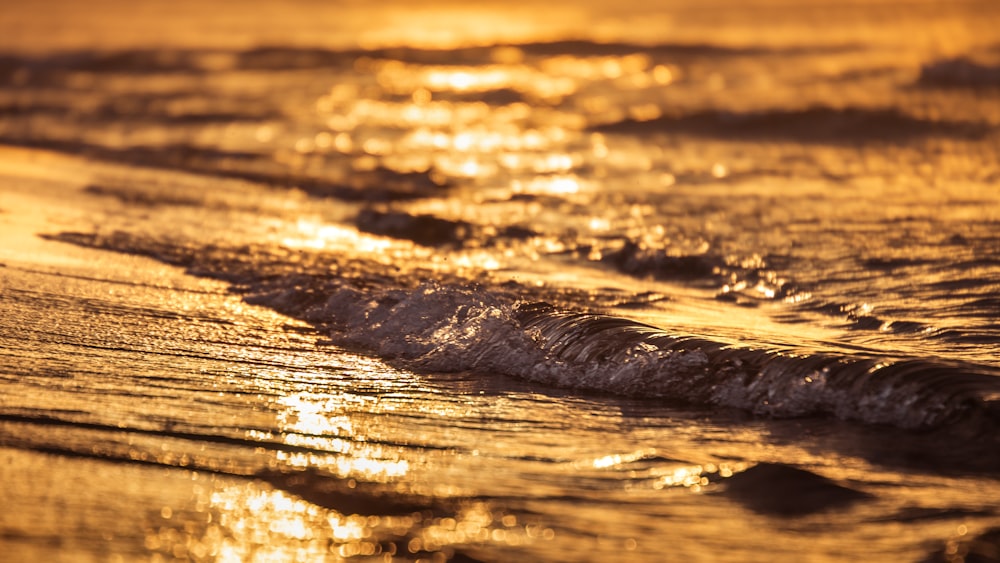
<point x="448" y="328"/>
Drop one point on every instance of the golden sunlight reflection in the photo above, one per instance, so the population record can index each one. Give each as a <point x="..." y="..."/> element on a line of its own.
<point x="595" y="68"/>
<point x="502" y="138"/>
<point x="549" y="185"/>
<point x="695" y="477"/>
<point x="517" y="119"/>
<point x="402" y="78"/>
<point x="692" y="477"/>
<point x="319" y="236"/>
<point x="476" y="523"/>
<point x="618" y="459"/>
<point x="311" y="421"/>
<point x="256" y="523"/>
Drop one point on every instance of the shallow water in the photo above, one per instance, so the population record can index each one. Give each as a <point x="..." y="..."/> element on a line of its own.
<point x="511" y="284"/>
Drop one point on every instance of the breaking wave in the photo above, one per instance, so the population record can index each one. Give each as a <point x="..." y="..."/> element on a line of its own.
<point x="455" y="326"/>
<point x="446" y="328"/>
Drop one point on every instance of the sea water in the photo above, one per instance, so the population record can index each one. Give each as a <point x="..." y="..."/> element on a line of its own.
<point x="706" y="282"/>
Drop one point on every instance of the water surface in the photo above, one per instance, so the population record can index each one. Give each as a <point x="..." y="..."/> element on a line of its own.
<point x="712" y="282"/>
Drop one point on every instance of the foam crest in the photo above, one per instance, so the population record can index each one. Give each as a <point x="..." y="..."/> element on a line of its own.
<point x="449" y="328"/>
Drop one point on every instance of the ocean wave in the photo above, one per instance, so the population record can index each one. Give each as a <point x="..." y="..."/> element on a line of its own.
<point x="744" y="280"/>
<point x="448" y="328"/>
<point x="783" y="490"/>
<point x="444" y="326"/>
<point x="810" y="125"/>
<point x="429" y="230"/>
<point x="281" y="57"/>
<point x="634" y="259"/>
<point x="673" y="49"/>
<point x="960" y="72"/>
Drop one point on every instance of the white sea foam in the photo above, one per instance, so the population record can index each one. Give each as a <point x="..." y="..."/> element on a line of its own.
<point x="448" y="328"/>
